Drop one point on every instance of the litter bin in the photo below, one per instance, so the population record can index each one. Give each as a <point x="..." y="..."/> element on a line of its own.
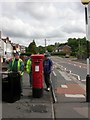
<point x="11" y="87"/>
<point x="37" y="75"/>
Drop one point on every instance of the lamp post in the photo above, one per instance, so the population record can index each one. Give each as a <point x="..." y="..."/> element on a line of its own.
<point x="0" y="49"/>
<point x="85" y="3"/>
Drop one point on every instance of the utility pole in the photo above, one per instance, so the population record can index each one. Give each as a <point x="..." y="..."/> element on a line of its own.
<point x="45" y="46"/>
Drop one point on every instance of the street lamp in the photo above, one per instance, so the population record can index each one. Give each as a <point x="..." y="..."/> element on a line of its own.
<point x="86" y="2"/>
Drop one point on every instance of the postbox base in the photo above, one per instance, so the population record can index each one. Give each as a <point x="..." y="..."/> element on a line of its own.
<point x="37" y="92"/>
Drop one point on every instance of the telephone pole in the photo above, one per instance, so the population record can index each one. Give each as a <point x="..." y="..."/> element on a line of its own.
<point x="45" y="46"/>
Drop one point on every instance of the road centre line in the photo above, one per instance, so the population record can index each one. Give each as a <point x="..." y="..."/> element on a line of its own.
<point x="75" y="75"/>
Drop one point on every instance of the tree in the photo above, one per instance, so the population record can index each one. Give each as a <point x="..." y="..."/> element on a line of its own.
<point x="78" y="46"/>
<point x="50" y="48"/>
<point x="32" y="48"/>
<point x="41" y="49"/>
<point x="73" y="43"/>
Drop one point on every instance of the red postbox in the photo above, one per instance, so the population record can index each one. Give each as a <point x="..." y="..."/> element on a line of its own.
<point x="37" y="75"/>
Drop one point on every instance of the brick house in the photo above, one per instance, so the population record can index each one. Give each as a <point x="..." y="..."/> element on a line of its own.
<point x="64" y="48"/>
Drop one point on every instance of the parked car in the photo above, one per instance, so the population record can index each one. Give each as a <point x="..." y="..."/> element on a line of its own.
<point x="67" y="56"/>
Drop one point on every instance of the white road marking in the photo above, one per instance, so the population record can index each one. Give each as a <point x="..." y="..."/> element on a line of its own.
<point x="64" y="86"/>
<point x="83" y="80"/>
<point x="65" y="76"/>
<point x="54" y="74"/>
<point x="74" y="64"/>
<point x="75" y="75"/>
<point x="75" y="95"/>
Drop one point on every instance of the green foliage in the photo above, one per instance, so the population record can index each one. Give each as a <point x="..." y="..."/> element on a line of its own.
<point x="50" y="48"/>
<point x="58" y="54"/>
<point x="78" y="48"/>
<point x="32" y="48"/>
<point x="26" y="54"/>
<point x="41" y="49"/>
<point x="73" y="43"/>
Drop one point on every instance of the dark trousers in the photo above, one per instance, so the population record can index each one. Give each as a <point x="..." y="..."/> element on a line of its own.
<point x="21" y="83"/>
<point x="30" y="78"/>
<point x="47" y="79"/>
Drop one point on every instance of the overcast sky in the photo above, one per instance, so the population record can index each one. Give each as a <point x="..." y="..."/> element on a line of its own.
<point x="39" y="20"/>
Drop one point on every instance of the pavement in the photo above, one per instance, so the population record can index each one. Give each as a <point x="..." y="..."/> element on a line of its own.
<point x="27" y="106"/>
<point x="67" y="101"/>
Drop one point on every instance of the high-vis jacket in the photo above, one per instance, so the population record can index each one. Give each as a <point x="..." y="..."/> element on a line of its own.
<point x="28" y="66"/>
<point x="16" y="65"/>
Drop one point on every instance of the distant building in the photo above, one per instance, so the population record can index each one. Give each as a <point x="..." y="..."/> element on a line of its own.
<point x="7" y="48"/>
<point x="16" y="47"/>
<point x="23" y="49"/>
<point x="64" y="48"/>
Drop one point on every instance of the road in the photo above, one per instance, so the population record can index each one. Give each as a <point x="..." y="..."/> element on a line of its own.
<point x="77" y="68"/>
<point x="69" y="92"/>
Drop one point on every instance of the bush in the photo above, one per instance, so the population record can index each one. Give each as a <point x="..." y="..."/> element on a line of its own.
<point x="26" y="54"/>
<point x="58" y="54"/>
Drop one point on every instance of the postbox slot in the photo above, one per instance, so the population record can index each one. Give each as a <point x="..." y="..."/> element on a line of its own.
<point x="37" y="62"/>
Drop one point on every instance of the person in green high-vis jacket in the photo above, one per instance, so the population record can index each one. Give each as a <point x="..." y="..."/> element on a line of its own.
<point x="29" y="70"/>
<point x="17" y="65"/>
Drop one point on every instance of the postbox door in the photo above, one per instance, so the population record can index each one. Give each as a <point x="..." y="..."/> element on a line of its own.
<point x="37" y="74"/>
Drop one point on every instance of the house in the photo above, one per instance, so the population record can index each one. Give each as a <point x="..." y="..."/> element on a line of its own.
<point x="1" y="49"/>
<point x="7" y="48"/>
<point x="64" y="48"/>
<point x="22" y="49"/>
<point x="16" y="47"/>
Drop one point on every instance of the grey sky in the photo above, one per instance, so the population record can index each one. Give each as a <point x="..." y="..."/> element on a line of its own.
<point x="54" y="21"/>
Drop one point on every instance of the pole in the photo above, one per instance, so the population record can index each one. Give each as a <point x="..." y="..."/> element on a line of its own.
<point x="45" y="45"/>
<point x="0" y="48"/>
<point x="88" y="76"/>
<point x="0" y="81"/>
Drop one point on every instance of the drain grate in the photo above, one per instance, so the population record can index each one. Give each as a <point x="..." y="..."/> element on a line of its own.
<point x="38" y="108"/>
